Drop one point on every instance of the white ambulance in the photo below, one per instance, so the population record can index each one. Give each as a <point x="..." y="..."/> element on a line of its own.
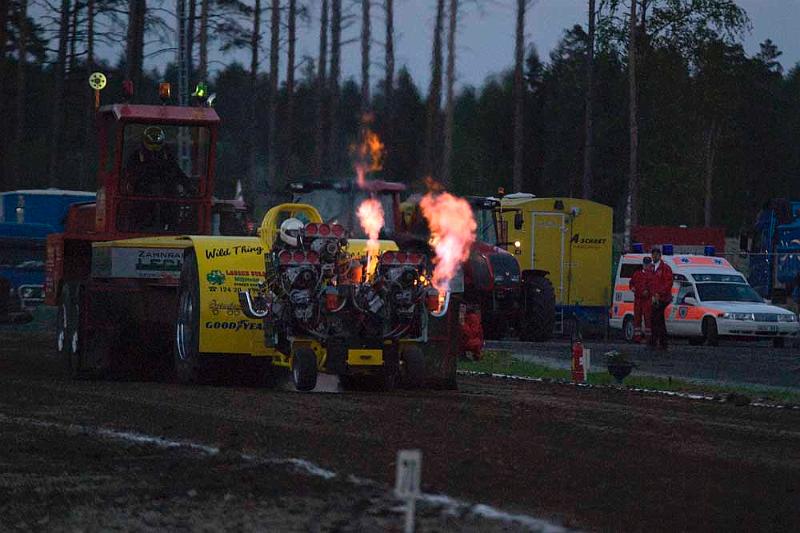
<point x="710" y="299"/>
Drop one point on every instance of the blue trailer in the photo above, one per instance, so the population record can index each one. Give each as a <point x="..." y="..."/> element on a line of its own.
<point x="27" y="217"/>
<point x="774" y="250"/>
<point x="40" y="206"/>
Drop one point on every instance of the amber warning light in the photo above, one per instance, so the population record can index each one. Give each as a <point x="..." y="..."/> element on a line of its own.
<point x="164" y="91"/>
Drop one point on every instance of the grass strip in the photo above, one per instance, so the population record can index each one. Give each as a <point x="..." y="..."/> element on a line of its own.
<point x="501" y="362"/>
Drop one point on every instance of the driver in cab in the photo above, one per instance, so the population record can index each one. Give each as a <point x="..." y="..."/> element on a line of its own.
<point x="152" y="170"/>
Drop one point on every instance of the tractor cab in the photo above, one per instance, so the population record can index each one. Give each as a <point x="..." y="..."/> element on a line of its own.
<point x="155" y="174"/>
<point x="337" y="201"/>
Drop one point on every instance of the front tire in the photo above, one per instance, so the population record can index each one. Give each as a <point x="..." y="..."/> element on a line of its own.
<point x="628" y="329"/>
<point x="187" y="358"/>
<point x="304" y="369"/>
<point x="710" y="331"/>
<point x="539" y="315"/>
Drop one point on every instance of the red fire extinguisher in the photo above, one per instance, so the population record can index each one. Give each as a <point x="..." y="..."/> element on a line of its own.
<point x="578" y="372"/>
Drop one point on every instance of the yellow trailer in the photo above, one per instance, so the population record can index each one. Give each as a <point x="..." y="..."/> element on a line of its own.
<point x="569" y="238"/>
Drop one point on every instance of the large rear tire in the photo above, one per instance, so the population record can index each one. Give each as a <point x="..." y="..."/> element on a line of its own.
<point x="189" y="367"/>
<point x="62" y="326"/>
<point x="539" y="310"/>
<point x="304" y="369"/>
<point x="69" y="342"/>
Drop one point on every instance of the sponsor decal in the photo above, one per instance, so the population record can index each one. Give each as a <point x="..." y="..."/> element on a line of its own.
<point x="215" y="253"/>
<point x="234" y="325"/>
<point x="229" y="309"/>
<point x="160" y="260"/>
<point x="587" y="241"/>
<point x="215" y="277"/>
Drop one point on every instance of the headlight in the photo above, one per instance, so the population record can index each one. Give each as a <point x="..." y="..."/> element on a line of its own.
<point x="499" y="279"/>
<point x="739" y="316"/>
<point x="515" y="278"/>
<point x="787" y="318"/>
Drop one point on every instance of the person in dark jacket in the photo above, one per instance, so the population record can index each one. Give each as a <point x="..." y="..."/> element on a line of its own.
<point x="662" y="297"/>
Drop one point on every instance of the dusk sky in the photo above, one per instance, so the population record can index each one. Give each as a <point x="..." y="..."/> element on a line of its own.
<point x="486" y="35"/>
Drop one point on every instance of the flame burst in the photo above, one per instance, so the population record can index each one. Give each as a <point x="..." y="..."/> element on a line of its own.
<point x="368" y="157"/>
<point x="370" y="215"/>
<point x="453" y="229"/>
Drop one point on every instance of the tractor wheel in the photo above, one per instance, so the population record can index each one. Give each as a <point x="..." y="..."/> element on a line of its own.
<point x="189" y="366"/>
<point x="628" y="329"/>
<point x="69" y="343"/>
<point x="62" y="326"/>
<point x="539" y="315"/>
<point x="412" y="367"/>
<point x="710" y="331"/>
<point x="304" y="369"/>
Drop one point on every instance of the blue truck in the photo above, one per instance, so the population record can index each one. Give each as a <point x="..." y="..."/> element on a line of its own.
<point x="774" y="250"/>
<point x="27" y="217"/>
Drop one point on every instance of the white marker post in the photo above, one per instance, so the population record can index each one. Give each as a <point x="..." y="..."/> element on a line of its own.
<point x="407" y="482"/>
<point x="587" y="363"/>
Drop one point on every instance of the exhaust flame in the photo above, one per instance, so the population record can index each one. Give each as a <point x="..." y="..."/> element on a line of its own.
<point x="370" y="215"/>
<point x="453" y="229"/>
<point x="368" y="157"/>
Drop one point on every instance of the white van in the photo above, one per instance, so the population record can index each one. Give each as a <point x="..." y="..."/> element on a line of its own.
<point x="710" y="299"/>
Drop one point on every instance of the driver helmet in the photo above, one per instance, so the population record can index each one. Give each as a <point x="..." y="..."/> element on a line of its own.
<point x="153" y="138"/>
<point x="290" y="231"/>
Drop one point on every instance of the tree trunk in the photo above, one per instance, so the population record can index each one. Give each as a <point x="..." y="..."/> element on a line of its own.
<point x="389" y="77"/>
<point x="366" y="36"/>
<point x="56" y="133"/>
<point x="273" y="178"/>
<point x="434" y="94"/>
<point x="249" y="191"/>
<point x="73" y="37"/>
<point x="447" y="180"/>
<point x="588" y="146"/>
<point x="190" y="23"/>
<point x="288" y="126"/>
<point x="5" y="160"/>
<point x="85" y="182"/>
<point x="712" y="137"/>
<point x="519" y="96"/>
<point x="202" y="63"/>
<point x="333" y="86"/>
<point x="632" y="205"/>
<point x="16" y="178"/>
<point x="134" y="54"/>
<point x="319" y="134"/>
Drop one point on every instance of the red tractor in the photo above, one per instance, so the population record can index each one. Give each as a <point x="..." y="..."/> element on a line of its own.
<point x="155" y="178"/>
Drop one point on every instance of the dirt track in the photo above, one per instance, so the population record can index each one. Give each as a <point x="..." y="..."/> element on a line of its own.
<point x="585" y="458"/>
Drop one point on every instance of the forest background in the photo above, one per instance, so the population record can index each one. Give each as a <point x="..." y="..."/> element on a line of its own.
<point x="651" y="105"/>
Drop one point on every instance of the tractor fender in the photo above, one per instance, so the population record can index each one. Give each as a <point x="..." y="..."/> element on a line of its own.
<point x="225" y="267"/>
<point x="535" y="273"/>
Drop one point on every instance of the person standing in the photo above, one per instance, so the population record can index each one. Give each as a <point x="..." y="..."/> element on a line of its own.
<point x="641" y="284"/>
<point x="662" y="297"/>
